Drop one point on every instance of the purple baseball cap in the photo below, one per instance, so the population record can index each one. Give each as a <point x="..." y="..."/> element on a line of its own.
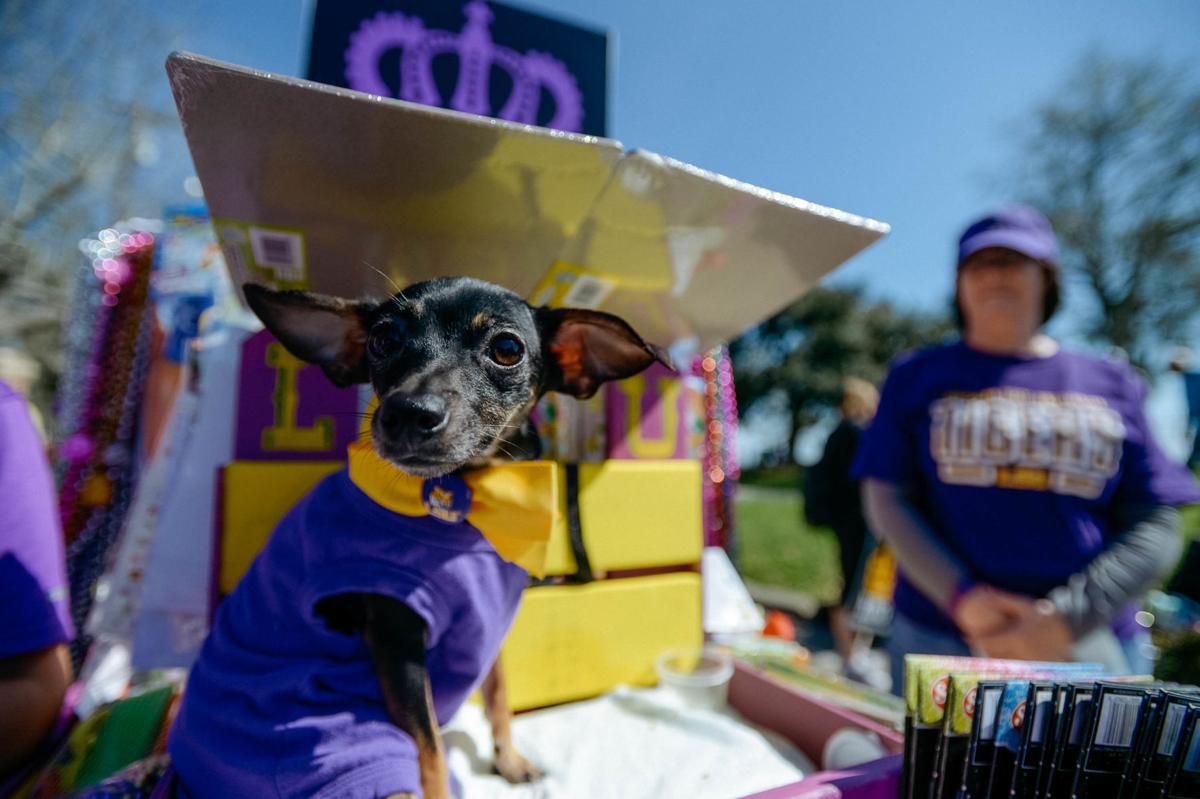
<point x="1017" y="227"/>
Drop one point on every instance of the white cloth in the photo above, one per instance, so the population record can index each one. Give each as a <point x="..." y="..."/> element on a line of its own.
<point x="728" y="607"/>
<point x="633" y="742"/>
<point x="173" y="618"/>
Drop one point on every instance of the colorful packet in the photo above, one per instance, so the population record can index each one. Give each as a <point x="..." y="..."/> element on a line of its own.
<point x="1077" y="719"/>
<point x="927" y="680"/>
<point x="1061" y="761"/>
<point x="1010" y="719"/>
<point x="1108" y="747"/>
<point x="1184" y="781"/>
<point x="932" y="688"/>
<point x="1162" y="744"/>
<point x="1055" y="730"/>
<point x="982" y="747"/>
<point x="918" y="736"/>
<point x="1039" y="713"/>
<point x="1144" y="741"/>
<point x="956" y="734"/>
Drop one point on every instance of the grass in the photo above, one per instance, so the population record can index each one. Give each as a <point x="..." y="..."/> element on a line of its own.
<point x="775" y="547"/>
<point x="788" y="476"/>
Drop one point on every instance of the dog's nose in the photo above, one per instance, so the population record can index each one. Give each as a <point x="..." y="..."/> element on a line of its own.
<point x="423" y="414"/>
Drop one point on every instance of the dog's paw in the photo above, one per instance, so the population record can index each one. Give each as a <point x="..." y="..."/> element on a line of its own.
<point x="512" y="766"/>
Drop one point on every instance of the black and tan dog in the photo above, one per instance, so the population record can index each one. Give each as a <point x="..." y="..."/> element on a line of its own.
<point x="457" y="365"/>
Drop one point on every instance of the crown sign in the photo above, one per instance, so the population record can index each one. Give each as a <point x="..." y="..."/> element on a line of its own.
<point x="531" y="72"/>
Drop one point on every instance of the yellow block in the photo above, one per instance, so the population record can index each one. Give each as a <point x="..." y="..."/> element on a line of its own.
<point x="257" y="494"/>
<point x="635" y="514"/>
<point x="570" y="642"/>
<point x="560" y="559"/>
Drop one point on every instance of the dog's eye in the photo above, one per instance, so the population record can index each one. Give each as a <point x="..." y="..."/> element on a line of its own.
<point x="384" y="339"/>
<point x="506" y="349"/>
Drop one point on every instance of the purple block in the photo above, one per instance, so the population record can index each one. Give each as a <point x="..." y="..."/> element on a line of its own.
<point x="652" y="416"/>
<point x="288" y="410"/>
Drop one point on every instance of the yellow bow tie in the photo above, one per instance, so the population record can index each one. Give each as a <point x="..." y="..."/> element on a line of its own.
<point x="514" y="505"/>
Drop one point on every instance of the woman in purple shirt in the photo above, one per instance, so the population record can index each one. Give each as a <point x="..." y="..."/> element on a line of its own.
<point x="1019" y="485"/>
<point x="35" y="623"/>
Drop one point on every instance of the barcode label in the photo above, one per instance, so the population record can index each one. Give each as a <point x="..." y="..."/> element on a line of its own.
<point x="279" y="250"/>
<point x="1040" y="717"/>
<point x="587" y="291"/>
<point x="987" y="721"/>
<point x="1118" y="715"/>
<point x="1170" y="731"/>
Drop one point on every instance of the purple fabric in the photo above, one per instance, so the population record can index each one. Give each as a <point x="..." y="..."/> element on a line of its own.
<point x="1019" y="228"/>
<point x="279" y="705"/>
<point x="877" y="779"/>
<point x="262" y="410"/>
<point x="34" y="611"/>
<point x="1125" y="625"/>
<point x="1015" y="462"/>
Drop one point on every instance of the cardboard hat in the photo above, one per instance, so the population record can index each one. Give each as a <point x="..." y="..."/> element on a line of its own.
<point x="324" y="188"/>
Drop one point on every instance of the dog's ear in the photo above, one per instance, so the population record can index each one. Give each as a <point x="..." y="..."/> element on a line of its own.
<point x="317" y="328"/>
<point x="583" y="349"/>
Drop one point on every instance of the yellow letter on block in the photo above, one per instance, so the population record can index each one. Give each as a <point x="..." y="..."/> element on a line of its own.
<point x="285" y="435"/>
<point x="664" y="447"/>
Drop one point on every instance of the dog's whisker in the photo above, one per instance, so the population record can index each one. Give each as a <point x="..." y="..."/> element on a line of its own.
<point x="388" y="278"/>
<point x="498" y="428"/>
<point x="515" y="456"/>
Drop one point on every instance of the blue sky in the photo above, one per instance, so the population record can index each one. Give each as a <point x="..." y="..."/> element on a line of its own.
<point x="908" y="112"/>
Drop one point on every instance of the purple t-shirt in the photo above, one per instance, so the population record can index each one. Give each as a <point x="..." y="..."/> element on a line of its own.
<point x="34" y="608"/>
<point x="1016" y="462"/>
<point x="278" y="705"/>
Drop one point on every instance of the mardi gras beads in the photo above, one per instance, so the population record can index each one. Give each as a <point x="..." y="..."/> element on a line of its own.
<point x="720" y="451"/>
<point x="107" y="340"/>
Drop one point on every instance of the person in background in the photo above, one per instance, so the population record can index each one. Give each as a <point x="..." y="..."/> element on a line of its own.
<point x="35" y="622"/>
<point x="1018" y="483"/>
<point x="1182" y="363"/>
<point x="833" y="499"/>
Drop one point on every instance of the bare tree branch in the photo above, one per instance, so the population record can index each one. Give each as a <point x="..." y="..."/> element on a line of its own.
<point x="1114" y="161"/>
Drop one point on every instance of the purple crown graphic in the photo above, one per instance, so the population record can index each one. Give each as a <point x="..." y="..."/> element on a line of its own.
<point x="531" y="72"/>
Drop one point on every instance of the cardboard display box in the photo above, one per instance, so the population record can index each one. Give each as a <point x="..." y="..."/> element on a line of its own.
<point x="572" y="642"/>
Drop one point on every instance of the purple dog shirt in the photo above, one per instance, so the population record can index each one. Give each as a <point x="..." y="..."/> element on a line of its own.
<point x="278" y="705"/>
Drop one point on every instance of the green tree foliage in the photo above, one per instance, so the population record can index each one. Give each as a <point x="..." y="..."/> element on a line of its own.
<point x="1113" y="159"/>
<point x="794" y="362"/>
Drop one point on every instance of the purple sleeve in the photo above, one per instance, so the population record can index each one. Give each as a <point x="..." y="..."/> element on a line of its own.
<point x="378" y="577"/>
<point x="887" y="451"/>
<point x="1148" y="477"/>
<point x="34" y="610"/>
